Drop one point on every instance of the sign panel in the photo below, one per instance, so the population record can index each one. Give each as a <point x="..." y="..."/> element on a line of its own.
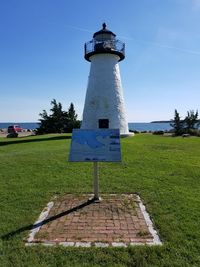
<point x="95" y="145"/>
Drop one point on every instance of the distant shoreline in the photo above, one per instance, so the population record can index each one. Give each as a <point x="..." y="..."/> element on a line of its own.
<point x="161" y="121"/>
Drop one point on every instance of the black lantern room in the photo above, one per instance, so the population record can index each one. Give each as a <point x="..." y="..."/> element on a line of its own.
<point x="104" y="42"/>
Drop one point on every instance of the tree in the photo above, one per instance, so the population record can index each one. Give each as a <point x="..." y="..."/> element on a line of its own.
<point x="72" y="121"/>
<point x="177" y="124"/>
<point x="72" y="113"/>
<point x="191" y="120"/>
<point x="58" y="121"/>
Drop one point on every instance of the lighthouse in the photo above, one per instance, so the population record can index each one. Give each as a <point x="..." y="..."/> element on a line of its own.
<point x="104" y="102"/>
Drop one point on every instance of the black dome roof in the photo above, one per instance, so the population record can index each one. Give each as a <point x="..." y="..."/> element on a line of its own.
<point x="103" y="30"/>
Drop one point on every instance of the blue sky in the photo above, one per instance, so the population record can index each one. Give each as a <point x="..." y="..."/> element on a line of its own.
<point x="41" y="55"/>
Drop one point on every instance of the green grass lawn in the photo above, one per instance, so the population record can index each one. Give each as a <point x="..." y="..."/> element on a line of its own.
<point x="164" y="171"/>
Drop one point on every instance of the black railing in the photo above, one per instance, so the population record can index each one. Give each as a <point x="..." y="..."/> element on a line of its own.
<point x="106" y="46"/>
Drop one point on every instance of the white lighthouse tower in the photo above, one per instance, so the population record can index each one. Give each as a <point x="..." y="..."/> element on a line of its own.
<point x="104" y="102"/>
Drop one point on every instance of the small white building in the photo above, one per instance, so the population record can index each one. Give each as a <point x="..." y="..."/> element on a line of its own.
<point x="104" y="102"/>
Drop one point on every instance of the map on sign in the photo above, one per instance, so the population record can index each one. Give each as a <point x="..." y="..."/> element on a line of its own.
<point x="95" y="145"/>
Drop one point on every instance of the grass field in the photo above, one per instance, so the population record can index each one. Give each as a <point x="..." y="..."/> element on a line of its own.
<point x="164" y="171"/>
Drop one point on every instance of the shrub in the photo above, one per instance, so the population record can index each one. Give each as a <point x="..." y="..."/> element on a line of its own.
<point x="194" y="132"/>
<point x="158" y="132"/>
<point x="133" y="131"/>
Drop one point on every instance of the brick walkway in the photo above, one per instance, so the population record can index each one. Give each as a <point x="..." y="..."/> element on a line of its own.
<point x="116" y="219"/>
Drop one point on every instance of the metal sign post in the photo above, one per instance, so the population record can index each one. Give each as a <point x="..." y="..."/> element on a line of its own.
<point x="95" y="145"/>
<point x="96" y="182"/>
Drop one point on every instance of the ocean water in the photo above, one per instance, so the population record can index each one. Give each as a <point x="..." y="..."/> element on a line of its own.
<point x="138" y="126"/>
<point x="145" y="126"/>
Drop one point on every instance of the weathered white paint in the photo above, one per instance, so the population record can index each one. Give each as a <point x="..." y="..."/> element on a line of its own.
<point x="104" y="97"/>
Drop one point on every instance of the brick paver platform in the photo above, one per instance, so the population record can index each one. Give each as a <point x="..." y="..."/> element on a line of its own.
<point x="75" y="219"/>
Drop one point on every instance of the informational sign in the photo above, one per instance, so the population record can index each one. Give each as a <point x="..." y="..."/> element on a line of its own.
<point x="95" y="145"/>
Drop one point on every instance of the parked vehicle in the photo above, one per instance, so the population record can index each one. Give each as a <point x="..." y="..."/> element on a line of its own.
<point x="14" y="129"/>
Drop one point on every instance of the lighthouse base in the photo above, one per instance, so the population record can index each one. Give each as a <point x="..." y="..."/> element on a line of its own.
<point x="127" y="135"/>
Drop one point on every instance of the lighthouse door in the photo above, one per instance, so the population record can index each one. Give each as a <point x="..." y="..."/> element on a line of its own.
<point x="103" y="123"/>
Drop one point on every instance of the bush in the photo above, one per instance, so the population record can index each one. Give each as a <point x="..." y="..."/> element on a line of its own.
<point x="158" y="132"/>
<point x="194" y="132"/>
<point x="134" y="131"/>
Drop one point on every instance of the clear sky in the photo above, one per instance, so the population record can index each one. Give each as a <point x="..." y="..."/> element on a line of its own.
<point x="41" y="55"/>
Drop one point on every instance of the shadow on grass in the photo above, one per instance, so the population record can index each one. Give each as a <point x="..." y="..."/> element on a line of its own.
<point x="50" y="219"/>
<point x="29" y="139"/>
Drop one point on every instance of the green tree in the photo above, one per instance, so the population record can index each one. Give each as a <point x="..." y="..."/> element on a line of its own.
<point x="72" y="121"/>
<point x="177" y="124"/>
<point x="191" y="120"/>
<point x="58" y="121"/>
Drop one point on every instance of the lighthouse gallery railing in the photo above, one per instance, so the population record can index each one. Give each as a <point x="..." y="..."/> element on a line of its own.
<point x="113" y="46"/>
